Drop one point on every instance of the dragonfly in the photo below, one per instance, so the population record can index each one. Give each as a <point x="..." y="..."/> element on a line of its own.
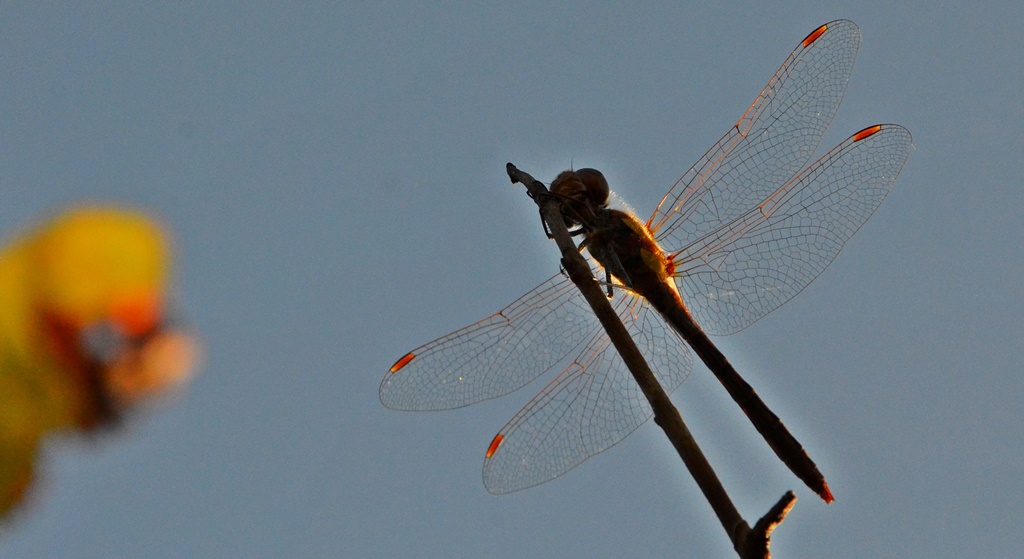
<point x="743" y="231"/>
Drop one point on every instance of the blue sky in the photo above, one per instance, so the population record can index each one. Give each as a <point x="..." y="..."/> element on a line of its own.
<point x="335" y="181"/>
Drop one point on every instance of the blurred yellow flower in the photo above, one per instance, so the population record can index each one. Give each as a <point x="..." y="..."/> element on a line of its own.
<point x="84" y="332"/>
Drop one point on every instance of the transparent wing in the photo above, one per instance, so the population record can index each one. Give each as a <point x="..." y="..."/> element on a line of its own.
<point x="494" y="356"/>
<point x="772" y="141"/>
<point x="750" y="266"/>
<point x="589" y="407"/>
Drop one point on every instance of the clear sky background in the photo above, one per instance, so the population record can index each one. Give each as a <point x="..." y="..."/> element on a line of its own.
<point x="335" y="181"/>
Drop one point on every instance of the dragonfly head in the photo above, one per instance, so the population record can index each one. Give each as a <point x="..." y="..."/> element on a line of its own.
<point x="584" y="191"/>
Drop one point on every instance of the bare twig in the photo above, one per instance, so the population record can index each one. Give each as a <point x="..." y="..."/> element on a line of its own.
<point x="758" y="539"/>
<point x="749" y="544"/>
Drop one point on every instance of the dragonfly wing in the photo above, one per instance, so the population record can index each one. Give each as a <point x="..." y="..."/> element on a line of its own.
<point x="747" y="268"/>
<point x="494" y="356"/>
<point x="772" y="141"/>
<point x="591" y="405"/>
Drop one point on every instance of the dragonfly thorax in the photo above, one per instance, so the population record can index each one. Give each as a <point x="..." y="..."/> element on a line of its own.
<point x="624" y="246"/>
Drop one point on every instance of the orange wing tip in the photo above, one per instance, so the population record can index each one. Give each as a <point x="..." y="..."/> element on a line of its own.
<point x="869" y="131"/>
<point x="814" y="35"/>
<point x="498" y="439"/>
<point x="402" y="362"/>
<point x="826" y="494"/>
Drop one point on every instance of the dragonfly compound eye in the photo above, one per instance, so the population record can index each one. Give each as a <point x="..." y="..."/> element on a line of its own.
<point x="596" y="185"/>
